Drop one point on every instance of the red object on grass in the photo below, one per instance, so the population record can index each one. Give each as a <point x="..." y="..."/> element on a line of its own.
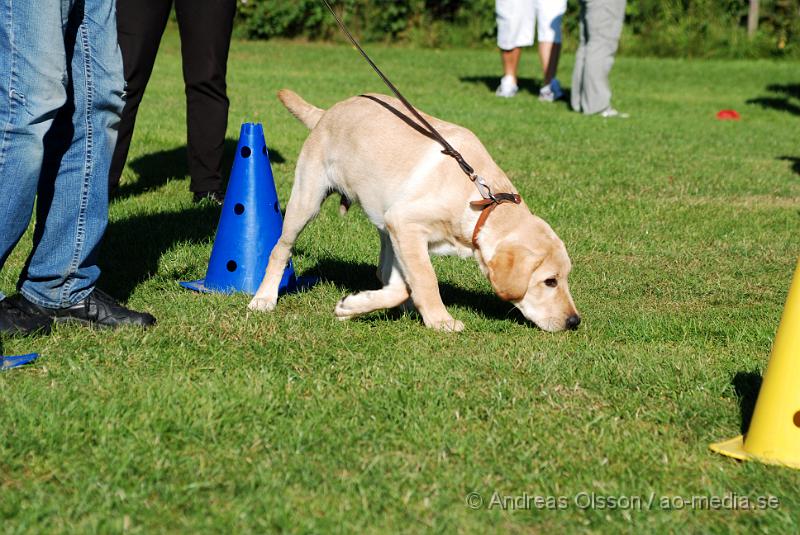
<point x="728" y="115"/>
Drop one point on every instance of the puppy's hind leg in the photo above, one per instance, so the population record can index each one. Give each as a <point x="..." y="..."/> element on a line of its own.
<point x="308" y="192"/>
<point x="393" y="293"/>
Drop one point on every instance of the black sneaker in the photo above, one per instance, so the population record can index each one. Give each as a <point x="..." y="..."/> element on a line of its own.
<point x="98" y="309"/>
<point x="15" y="321"/>
<point x="214" y="197"/>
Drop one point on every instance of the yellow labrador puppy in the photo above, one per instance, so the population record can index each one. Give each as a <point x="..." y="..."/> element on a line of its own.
<point x="419" y="199"/>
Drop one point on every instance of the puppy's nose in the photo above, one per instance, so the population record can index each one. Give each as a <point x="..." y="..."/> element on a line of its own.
<point x="573" y="322"/>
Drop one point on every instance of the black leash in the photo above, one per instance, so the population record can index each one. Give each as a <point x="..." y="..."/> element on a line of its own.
<point x="476" y="179"/>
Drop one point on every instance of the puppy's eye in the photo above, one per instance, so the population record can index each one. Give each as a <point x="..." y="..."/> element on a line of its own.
<point x="552" y="283"/>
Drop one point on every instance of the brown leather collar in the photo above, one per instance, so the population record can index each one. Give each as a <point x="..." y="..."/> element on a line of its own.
<point x="487" y="206"/>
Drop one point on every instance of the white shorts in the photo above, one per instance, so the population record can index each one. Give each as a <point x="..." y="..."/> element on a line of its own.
<point x="516" y="19"/>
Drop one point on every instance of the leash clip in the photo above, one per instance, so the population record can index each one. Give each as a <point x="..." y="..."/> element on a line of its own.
<point x="483" y="187"/>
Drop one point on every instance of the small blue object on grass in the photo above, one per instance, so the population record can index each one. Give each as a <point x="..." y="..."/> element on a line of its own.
<point x="249" y="226"/>
<point x="16" y="362"/>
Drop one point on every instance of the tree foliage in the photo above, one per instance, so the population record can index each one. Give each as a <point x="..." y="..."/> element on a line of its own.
<point x="684" y="28"/>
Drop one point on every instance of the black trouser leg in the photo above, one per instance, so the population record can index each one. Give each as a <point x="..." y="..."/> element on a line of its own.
<point x="205" y="27"/>
<point x="140" y="25"/>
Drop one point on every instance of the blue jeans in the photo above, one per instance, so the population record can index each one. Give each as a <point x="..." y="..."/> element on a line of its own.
<point x="61" y="96"/>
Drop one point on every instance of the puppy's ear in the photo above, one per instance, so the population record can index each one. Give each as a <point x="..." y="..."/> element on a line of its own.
<point x="510" y="271"/>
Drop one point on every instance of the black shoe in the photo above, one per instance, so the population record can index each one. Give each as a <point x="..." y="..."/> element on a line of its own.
<point x="98" y="309"/>
<point x="215" y="197"/>
<point x="15" y="321"/>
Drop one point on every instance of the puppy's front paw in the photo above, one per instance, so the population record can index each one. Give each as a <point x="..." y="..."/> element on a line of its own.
<point x="262" y="304"/>
<point x="449" y="325"/>
<point x="342" y="311"/>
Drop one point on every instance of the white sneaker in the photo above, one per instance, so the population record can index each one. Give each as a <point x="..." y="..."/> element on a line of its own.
<point x="551" y="92"/>
<point x="507" y="88"/>
<point x="610" y="113"/>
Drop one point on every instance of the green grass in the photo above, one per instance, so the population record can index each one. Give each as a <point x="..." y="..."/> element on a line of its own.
<point x="683" y="234"/>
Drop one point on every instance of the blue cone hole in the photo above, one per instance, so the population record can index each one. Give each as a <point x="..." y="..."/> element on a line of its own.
<point x="231" y="266"/>
<point x="238" y="209"/>
<point x="246" y="152"/>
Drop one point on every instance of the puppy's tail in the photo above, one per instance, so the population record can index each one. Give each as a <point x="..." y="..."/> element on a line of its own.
<point x="308" y="114"/>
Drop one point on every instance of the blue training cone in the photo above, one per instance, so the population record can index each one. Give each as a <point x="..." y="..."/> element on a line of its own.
<point x="6" y="363"/>
<point x="249" y="226"/>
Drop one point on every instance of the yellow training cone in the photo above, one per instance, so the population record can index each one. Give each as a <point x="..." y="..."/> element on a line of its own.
<point x="774" y="434"/>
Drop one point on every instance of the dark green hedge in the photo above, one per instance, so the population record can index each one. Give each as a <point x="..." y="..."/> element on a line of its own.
<point x="446" y="22"/>
<point x="682" y="28"/>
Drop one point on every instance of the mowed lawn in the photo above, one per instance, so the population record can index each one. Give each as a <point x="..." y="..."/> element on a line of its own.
<point x="683" y="233"/>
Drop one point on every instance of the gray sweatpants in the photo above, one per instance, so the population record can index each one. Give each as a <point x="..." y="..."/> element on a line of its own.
<point x="600" y="30"/>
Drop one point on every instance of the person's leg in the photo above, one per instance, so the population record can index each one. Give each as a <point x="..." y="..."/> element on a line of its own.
<point x="514" y="31"/>
<point x="205" y="28"/>
<point x="604" y="20"/>
<point x="33" y="70"/>
<point x="140" y="25"/>
<point x="72" y="207"/>
<point x="549" y="16"/>
<point x="580" y="61"/>
<point x="58" y="283"/>
<point x="549" y="55"/>
<point x="510" y="59"/>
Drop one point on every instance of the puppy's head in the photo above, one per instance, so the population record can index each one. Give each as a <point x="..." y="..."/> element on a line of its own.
<point x="534" y="278"/>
